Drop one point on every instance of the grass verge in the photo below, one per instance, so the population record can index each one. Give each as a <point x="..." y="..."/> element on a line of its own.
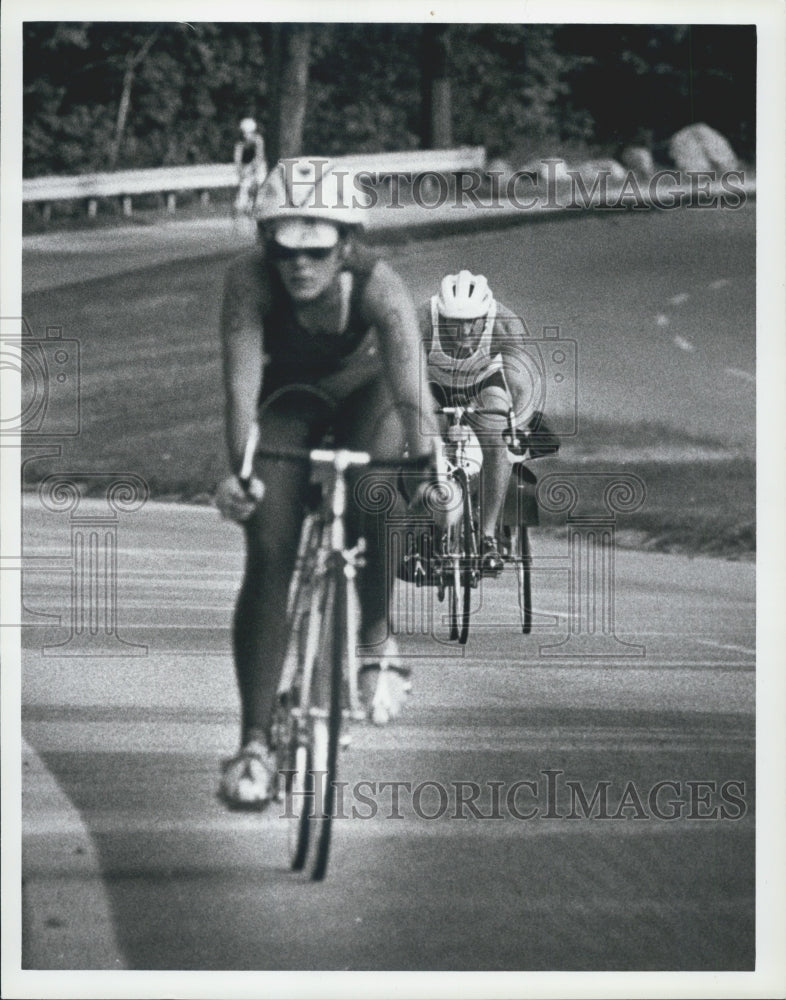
<point x="150" y="402"/>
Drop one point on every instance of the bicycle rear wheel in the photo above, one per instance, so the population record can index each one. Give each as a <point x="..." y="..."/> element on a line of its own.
<point x="453" y="587"/>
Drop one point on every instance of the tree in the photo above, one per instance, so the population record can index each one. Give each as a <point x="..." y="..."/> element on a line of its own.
<point x="125" y="95"/>
<point x="132" y="61"/>
<point x="288" y="66"/>
<point x="436" y="105"/>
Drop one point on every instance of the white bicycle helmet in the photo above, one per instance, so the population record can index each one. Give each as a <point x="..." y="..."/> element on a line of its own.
<point x="248" y="125"/>
<point x="464" y="296"/>
<point x="310" y="188"/>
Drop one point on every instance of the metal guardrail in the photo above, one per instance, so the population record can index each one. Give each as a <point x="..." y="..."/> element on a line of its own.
<point x="130" y="182"/>
<point x="211" y="176"/>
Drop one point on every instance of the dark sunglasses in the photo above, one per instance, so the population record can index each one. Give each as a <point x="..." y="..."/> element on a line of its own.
<point x="277" y="252"/>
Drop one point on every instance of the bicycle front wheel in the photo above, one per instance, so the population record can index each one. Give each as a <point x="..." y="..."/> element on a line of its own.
<point x="326" y="716"/>
<point x="520" y="547"/>
<point x="467" y="558"/>
<point x="460" y="558"/>
<point x="292" y="736"/>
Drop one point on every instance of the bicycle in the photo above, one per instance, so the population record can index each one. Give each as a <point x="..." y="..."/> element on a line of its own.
<point x="318" y="688"/>
<point x="457" y="568"/>
<point x="245" y="198"/>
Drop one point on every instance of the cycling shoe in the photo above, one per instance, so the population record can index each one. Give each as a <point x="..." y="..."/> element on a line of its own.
<point x="247" y="779"/>
<point x="491" y="560"/>
<point x="384" y="688"/>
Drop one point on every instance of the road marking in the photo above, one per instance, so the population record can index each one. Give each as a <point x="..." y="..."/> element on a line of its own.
<point x="683" y="344"/>
<point x="739" y="373"/>
<point x="720" y="283"/>
<point x="677" y="300"/>
<point x="726" y="645"/>
<point x="662" y="319"/>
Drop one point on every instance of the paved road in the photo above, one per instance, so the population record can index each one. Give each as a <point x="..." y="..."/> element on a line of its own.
<point x="131" y="862"/>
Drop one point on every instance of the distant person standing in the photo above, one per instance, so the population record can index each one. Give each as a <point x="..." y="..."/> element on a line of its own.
<point x="251" y="166"/>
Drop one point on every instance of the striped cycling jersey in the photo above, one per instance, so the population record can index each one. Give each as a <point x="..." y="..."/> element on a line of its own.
<point x="462" y="374"/>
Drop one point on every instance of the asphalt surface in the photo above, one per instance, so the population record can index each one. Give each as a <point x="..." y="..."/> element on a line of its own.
<point x="131" y="862"/>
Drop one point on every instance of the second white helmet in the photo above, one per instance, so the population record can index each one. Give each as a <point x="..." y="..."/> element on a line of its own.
<point x="310" y="188"/>
<point x="464" y="296"/>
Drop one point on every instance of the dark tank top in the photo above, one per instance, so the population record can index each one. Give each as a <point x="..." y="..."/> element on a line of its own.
<point x="249" y="153"/>
<point x="297" y="355"/>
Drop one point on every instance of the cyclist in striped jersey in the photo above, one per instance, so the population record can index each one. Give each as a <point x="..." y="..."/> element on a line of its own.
<point x="474" y="349"/>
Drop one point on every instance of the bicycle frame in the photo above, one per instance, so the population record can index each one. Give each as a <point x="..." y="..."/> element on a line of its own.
<point x="314" y="564"/>
<point x="318" y="685"/>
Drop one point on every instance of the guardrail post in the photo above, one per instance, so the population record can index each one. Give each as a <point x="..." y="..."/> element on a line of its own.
<point x="204" y="199"/>
<point x="94" y="563"/>
<point x="46" y="211"/>
<point x="92" y="208"/>
<point x="127" y="206"/>
<point x="591" y="548"/>
<point x="171" y="203"/>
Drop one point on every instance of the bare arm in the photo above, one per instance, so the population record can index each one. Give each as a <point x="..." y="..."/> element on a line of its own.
<point x="243" y="355"/>
<point x="388" y="306"/>
<point x="509" y="341"/>
<point x="423" y="314"/>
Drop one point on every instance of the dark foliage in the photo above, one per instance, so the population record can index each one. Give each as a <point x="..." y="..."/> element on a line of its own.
<point x="102" y="95"/>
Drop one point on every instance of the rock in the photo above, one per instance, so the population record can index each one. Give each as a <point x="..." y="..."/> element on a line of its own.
<point x="639" y="160"/>
<point x="591" y="168"/>
<point x="554" y="169"/>
<point x="564" y="173"/>
<point x="699" y="147"/>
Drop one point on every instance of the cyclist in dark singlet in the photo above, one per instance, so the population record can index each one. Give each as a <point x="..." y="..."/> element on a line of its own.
<point x="250" y="163"/>
<point x="310" y="309"/>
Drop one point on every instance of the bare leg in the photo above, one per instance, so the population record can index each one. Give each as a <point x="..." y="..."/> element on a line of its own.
<point x="369" y="421"/>
<point x="494" y="482"/>
<point x="495" y="475"/>
<point x="260" y="627"/>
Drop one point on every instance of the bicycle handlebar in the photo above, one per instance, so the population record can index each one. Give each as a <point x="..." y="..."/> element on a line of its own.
<point x="247" y="466"/>
<point x="340" y="458"/>
<point x="511" y="434"/>
<point x="452" y="411"/>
